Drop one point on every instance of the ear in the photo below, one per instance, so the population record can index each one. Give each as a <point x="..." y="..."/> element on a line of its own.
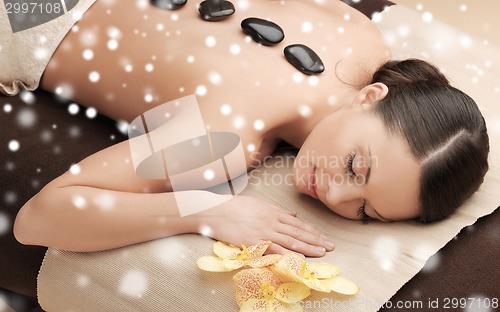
<point x="370" y="95"/>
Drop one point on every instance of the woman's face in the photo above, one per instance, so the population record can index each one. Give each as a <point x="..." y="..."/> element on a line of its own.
<point x="352" y="163"/>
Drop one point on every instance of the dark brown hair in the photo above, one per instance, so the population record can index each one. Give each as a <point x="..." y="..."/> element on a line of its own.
<point x="445" y="131"/>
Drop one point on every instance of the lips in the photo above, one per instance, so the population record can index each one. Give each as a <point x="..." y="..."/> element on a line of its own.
<point x="311" y="183"/>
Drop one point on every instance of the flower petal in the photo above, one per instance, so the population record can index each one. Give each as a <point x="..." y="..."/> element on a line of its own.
<point x="322" y="285"/>
<point x="256" y="305"/>
<point x="279" y="306"/>
<point x="291" y="308"/>
<point x="211" y="264"/>
<point x="292" y="292"/>
<point x="233" y="264"/>
<point x="248" y="283"/>
<point x="324" y="269"/>
<point x="258" y="250"/>
<point x="289" y="266"/>
<point x="225" y="251"/>
<point x="264" y="261"/>
<point x="343" y="286"/>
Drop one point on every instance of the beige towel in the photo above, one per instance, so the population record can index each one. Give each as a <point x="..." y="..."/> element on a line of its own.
<point x="161" y="275"/>
<point x="24" y="55"/>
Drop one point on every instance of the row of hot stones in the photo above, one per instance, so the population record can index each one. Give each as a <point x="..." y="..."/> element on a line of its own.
<point x="261" y="31"/>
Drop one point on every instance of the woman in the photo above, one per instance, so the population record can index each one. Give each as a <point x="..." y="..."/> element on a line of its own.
<point x="408" y="145"/>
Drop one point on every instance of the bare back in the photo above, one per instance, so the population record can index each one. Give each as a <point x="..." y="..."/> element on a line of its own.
<point x="145" y="56"/>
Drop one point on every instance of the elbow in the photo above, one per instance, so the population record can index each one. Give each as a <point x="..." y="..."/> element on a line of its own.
<point x="21" y="224"/>
<point x="29" y="223"/>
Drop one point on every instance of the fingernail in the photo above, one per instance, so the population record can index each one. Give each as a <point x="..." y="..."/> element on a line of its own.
<point x="329" y="245"/>
<point x="320" y="250"/>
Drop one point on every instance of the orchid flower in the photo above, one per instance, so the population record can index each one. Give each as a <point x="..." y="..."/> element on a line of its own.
<point x="275" y="282"/>
<point x="319" y="276"/>
<point x="260" y="289"/>
<point x="228" y="258"/>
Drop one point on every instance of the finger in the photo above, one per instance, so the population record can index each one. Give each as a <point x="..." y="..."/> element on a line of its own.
<point x="281" y="209"/>
<point x="298" y="223"/>
<point x="293" y="244"/>
<point x="277" y="249"/>
<point x="305" y="236"/>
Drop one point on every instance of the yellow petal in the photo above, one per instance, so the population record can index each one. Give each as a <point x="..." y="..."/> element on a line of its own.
<point x="264" y="261"/>
<point x="343" y="286"/>
<point x="256" y="305"/>
<point x="258" y="250"/>
<point x="288" y="267"/>
<point x="324" y="269"/>
<point x="211" y="264"/>
<point x="248" y="283"/>
<point x="269" y="306"/>
<point x="279" y="306"/>
<point x="323" y="285"/>
<point x="225" y="251"/>
<point x="233" y="264"/>
<point x="294" y="307"/>
<point x="292" y="292"/>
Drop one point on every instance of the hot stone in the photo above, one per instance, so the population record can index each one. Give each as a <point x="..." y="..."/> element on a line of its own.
<point x="304" y="59"/>
<point x="169" y="4"/>
<point x="262" y="31"/>
<point x="215" y="10"/>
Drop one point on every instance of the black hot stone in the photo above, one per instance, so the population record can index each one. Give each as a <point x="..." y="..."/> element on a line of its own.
<point x="262" y="31"/>
<point x="215" y="10"/>
<point x="304" y="59"/>
<point x="169" y="4"/>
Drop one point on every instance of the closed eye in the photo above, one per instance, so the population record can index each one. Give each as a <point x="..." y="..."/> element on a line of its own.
<point x="349" y="160"/>
<point x="362" y="213"/>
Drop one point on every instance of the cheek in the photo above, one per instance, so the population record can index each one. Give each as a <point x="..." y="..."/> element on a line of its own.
<point x="348" y="211"/>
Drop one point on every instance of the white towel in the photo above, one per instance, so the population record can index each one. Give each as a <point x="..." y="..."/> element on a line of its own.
<point x="24" y="55"/>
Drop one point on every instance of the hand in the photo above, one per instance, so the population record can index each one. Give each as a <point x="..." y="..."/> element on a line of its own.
<point x="248" y="220"/>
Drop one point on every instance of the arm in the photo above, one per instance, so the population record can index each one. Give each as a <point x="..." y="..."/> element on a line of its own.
<point x="83" y="218"/>
<point x="103" y="206"/>
<point x="106" y="205"/>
